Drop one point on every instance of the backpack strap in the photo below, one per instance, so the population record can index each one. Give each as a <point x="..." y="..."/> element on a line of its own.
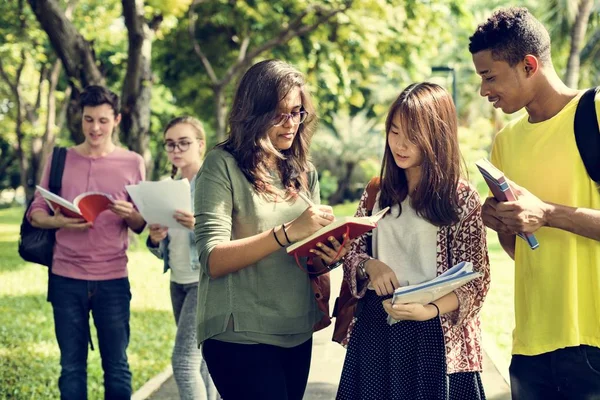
<point x="587" y="133"/>
<point x="59" y="155"/>
<point x="372" y="189"/>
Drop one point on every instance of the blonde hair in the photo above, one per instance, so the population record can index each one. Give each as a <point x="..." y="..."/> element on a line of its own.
<point x="196" y="125"/>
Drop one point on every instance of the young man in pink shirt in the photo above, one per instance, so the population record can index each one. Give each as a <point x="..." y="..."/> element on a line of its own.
<point x="89" y="268"/>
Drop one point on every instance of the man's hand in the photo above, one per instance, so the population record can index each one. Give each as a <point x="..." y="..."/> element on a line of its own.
<point x="382" y="278"/>
<point x="491" y="219"/>
<point x="527" y="214"/>
<point x="122" y="208"/>
<point x="62" y="222"/>
<point x="410" y="311"/>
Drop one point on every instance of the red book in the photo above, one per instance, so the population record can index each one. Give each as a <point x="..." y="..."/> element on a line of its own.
<point x="354" y="226"/>
<point x="87" y="205"/>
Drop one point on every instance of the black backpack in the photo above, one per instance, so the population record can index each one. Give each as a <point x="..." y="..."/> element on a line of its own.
<point x="587" y="133"/>
<point x="37" y="245"/>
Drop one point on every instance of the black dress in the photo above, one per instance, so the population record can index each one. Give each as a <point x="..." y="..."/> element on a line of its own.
<point x="403" y="361"/>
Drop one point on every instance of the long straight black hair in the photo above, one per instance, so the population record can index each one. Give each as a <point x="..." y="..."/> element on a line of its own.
<point x="428" y="118"/>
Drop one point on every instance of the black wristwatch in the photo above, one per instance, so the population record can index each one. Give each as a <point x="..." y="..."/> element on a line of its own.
<point x="361" y="270"/>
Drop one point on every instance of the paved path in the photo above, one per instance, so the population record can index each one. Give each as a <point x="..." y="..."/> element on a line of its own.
<point x="327" y="362"/>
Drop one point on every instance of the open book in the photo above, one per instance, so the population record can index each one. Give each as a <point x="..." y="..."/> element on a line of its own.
<point x="87" y="205"/>
<point x="354" y="226"/>
<point x="501" y="190"/>
<point x="441" y="285"/>
<point x="158" y="201"/>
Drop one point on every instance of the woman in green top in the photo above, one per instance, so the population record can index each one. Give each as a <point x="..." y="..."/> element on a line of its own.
<point x="256" y="309"/>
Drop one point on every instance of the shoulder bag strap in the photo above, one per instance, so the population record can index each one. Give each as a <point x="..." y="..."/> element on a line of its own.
<point x="59" y="155"/>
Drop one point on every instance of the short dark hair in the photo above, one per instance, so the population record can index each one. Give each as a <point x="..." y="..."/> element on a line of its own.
<point x="94" y="95"/>
<point x="511" y="34"/>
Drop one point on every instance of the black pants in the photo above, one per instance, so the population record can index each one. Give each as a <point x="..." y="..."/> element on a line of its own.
<point x="258" y="371"/>
<point x="571" y="373"/>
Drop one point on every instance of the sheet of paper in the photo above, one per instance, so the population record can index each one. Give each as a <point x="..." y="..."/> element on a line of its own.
<point x="158" y="201"/>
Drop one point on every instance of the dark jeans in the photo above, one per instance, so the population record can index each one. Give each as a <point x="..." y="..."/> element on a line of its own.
<point x="258" y="371"/>
<point x="569" y="373"/>
<point x="72" y="300"/>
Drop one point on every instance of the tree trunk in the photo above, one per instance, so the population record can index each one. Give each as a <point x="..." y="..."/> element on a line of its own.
<point x="220" y="112"/>
<point x="135" y="109"/>
<point x="42" y="146"/>
<point x="76" y="54"/>
<point x="343" y="184"/>
<point x="577" y="38"/>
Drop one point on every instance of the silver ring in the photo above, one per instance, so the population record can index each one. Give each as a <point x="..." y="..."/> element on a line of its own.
<point x="324" y="215"/>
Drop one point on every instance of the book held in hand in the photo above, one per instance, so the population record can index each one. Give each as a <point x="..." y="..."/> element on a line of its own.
<point x="502" y="191"/>
<point x="441" y="285"/>
<point x="354" y="226"/>
<point x="87" y="205"/>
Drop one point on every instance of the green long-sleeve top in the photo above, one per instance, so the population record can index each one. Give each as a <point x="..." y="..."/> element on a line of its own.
<point x="268" y="302"/>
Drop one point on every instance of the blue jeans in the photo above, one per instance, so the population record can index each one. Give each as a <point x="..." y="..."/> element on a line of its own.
<point x="72" y="300"/>
<point x="569" y="373"/>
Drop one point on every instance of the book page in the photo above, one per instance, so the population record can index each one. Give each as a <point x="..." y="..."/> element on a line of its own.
<point x="91" y="204"/>
<point x="54" y="200"/>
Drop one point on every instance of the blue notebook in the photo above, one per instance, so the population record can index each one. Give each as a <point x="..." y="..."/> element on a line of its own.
<point x="441" y="285"/>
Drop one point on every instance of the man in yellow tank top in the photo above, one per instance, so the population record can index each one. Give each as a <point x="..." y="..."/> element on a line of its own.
<point x="556" y="341"/>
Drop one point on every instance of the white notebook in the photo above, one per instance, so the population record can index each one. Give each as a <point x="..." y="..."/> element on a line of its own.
<point x="441" y="285"/>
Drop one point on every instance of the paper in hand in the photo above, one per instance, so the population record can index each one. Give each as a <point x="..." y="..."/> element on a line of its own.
<point x="158" y="201"/>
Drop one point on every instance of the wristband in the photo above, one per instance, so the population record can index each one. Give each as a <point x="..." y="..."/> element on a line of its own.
<point x="437" y="308"/>
<point x="275" y="236"/>
<point x="285" y="233"/>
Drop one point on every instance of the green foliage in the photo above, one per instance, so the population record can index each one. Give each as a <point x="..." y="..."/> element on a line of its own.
<point x="29" y="356"/>
<point x="327" y="184"/>
<point x="346" y="209"/>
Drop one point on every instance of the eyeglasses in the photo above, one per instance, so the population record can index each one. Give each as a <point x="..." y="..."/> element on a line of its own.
<point x="182" y="146"/>
<point x="297" y="118"/>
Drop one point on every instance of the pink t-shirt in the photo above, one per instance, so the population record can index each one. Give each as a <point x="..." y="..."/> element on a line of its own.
<point x="98" y="253"/>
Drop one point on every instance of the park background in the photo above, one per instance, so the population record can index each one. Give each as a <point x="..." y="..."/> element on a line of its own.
<point x="173" y="57"/>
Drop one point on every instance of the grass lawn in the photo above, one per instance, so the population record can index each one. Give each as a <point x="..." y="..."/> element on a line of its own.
<point x="29" y="354"/>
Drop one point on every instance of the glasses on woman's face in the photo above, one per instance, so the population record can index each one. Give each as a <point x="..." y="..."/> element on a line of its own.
<point x="297" y="117"/>
<point x="184" y="145"/>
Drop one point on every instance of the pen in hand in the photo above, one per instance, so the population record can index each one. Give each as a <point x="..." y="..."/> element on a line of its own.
<point x="306" y="199"/>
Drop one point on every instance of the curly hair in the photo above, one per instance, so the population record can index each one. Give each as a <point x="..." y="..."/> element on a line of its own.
<point x="511" y="34"/>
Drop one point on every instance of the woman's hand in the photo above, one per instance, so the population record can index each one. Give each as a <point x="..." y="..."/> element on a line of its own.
<point x="382" y="278"/>
<point x="328" y="253"/>
<point x="185" y="218"/>
<point x="157" y="233"/>
<point x="310" y="221"/>
<point x="409" y="311"/>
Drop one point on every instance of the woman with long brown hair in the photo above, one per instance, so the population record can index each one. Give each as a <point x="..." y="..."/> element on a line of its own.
<point x="256" y="308"/>
<point x="434" y="222"/>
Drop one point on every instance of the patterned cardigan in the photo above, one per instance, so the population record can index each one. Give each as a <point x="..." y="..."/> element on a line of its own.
<point x="464" y="241"/>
